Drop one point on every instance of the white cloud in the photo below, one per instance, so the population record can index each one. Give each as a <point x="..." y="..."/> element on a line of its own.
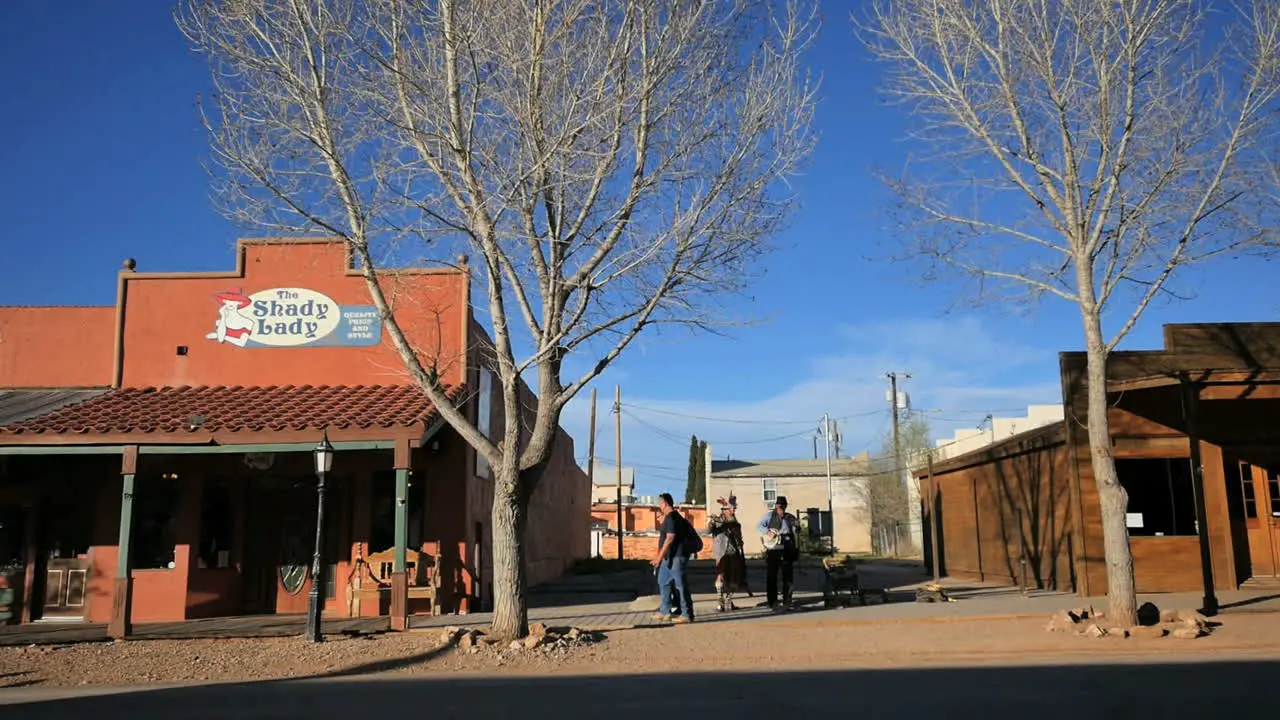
<point x="961" y="370"/>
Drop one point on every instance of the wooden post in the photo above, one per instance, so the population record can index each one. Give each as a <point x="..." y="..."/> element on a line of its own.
<point x="933" y="520"/>
<point x="121" y="625"/>
<point x="399" y="576"/>
<point x="31" y="556"/>
<point x="1191" y="414"/>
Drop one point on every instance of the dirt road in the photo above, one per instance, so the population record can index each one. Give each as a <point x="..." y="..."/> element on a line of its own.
<point x="753" y="668"/>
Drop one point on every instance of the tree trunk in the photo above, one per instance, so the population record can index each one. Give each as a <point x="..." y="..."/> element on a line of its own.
<point x="510" y="609"/>
<point x="1122" y="599"/>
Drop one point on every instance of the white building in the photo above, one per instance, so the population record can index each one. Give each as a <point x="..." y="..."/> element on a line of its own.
<point x="995" y="430"/>
<point x="604" y="483"/>
<point x="757" y="483"/>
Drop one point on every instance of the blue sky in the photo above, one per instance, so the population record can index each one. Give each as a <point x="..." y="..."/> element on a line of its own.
<point x="102" y="159"/>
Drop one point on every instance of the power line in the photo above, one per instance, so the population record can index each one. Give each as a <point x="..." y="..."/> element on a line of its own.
<point x="740" y="421"/>
<point x="668" y="435"/>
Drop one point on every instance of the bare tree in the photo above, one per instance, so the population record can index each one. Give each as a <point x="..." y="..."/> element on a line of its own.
<point x="1088" y="150"/>
<point x="615" y="165"/>
<point x="888" y="494"/>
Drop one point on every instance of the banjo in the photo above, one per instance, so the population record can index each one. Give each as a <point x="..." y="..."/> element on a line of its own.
<point x="771" y="538"/>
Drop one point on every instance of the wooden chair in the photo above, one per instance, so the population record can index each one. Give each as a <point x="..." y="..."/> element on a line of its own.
<point x="422" y="569"/>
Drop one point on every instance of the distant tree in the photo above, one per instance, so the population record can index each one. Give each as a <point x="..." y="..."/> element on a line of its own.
<point x="888" y="496"/>
<point x="694" y="483"/>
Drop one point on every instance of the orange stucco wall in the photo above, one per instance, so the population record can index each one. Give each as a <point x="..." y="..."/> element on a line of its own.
<point x="44" y="347"/>
<point x="164" y="312"/>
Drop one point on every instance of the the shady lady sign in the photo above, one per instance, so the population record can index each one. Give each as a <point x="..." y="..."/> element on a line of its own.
<point x="292" y="317"/>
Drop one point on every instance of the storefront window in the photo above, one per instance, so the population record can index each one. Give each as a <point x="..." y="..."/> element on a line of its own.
<point x="1248" y="496"/>
<point x="1161" y="496"/>
<point x="484" y="418"/>
<point x="383" y="528"/>
<point x="155" y="506"/>
<point x="12" y="555"/>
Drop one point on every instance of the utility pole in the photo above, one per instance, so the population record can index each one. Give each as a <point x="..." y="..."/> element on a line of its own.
<point x="914" y="505"/>
<point x="591" y="446"/>
<point x="591" y="466"/>
<point x="617" y="455"/>
<point x="826" y="438"/>
<point x="893" y="413"/>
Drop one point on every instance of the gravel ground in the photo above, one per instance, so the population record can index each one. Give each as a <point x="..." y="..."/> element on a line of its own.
<point x="774" y="644"/>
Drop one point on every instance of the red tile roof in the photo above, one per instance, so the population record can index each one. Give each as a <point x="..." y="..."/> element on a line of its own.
<point x="231" y="409"/>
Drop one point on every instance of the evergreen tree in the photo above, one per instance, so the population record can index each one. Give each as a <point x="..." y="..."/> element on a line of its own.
<point x="694" y="485"/>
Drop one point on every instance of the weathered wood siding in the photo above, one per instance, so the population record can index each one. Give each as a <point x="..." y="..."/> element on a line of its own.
<point x="1007" y="505"/>
<point x="1139" y="430"/>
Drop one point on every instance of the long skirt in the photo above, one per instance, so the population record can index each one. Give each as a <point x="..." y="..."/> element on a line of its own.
<point x="732" y="572"/>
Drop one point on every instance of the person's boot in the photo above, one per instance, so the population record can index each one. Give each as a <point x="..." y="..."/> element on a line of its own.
<point x="722" y="603"/>
<point x="728" y="602"/>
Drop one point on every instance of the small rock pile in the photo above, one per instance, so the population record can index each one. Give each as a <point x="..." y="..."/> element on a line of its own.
<point x="541" y="639"/>
<point x="1152" y="623"/>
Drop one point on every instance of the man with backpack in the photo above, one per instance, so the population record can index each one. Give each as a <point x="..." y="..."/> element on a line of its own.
<point x="677" y="541"/>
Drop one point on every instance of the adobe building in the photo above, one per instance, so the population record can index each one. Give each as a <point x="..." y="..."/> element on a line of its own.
<point x="176" y="429"/>
<point x="1025" y="510"/>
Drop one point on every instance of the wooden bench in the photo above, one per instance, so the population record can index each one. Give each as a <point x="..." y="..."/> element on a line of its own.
<point x="422" y="570"/>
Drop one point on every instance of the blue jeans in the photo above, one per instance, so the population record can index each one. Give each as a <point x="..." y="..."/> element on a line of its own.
<point x="672" y="573"/>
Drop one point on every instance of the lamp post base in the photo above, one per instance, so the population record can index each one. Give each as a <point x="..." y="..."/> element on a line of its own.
<point x="313" y="632"/>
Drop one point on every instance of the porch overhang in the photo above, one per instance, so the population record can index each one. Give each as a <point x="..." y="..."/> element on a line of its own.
<point x="219" y="420"/>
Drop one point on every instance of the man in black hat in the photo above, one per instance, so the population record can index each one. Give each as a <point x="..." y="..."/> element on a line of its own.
<point x="780" y="531"/>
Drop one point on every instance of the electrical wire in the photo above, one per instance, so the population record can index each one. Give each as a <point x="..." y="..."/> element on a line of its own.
<point x="740" y="421"/>
<point x="673" y="438"/>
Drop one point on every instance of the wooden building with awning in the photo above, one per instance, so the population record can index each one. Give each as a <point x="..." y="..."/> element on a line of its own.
<point x="1195" y="428"/>
<point x="169" y="475"/>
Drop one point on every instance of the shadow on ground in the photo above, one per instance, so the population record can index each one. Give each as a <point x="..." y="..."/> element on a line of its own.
<point x="1170" y="691"/>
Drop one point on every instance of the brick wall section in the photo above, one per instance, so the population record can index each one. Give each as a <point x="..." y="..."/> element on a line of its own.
<point x="634" y="547"/>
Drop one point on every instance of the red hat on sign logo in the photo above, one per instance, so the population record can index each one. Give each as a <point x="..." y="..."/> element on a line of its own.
<point x="235" y="296"/>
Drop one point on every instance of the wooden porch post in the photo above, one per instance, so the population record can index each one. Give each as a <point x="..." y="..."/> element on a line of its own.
<point x="121" y="624"/>
<point x="31" y="537"/>
<point x="1190" y="412"/>
<point x="399" y="578"/>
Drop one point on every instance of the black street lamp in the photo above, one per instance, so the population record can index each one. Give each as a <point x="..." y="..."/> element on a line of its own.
<point x="324" y="462"/>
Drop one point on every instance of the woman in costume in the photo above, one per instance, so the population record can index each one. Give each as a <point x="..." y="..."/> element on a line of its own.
<point x="727" y="548"/>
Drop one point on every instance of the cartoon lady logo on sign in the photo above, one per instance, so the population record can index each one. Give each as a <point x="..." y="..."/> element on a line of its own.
<point x="232" y="326"/>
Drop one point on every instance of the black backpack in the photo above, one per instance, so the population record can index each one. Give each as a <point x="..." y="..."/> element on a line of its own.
<point x="692" y="541"/>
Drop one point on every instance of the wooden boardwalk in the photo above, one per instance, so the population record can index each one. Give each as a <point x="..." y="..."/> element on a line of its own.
<point x="54" y="633"/>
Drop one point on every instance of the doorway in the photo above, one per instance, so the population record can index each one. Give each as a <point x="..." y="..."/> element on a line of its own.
<point x="1260" y="509"/>
<point x="280" y="537"/>
<point x="65" y="536"/>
